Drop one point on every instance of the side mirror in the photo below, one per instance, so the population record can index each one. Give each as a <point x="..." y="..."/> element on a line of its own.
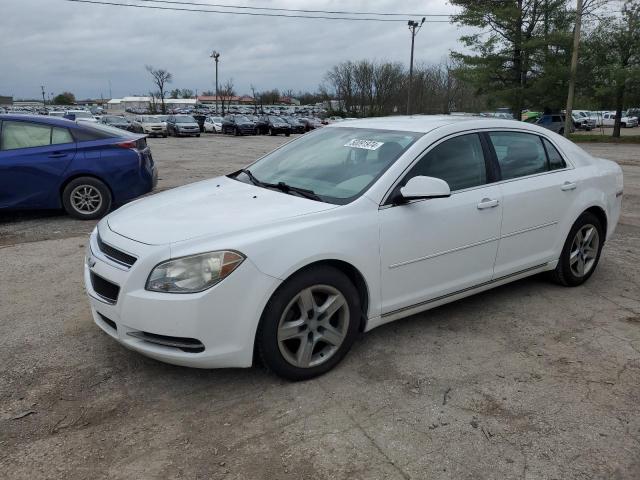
<point x="425" y="187"/>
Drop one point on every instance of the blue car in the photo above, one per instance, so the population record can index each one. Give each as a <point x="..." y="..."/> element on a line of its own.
<point x="85" y="168"/>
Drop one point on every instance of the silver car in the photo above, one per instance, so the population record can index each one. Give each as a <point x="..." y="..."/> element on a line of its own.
<point x="151" y="125"/>
<point x="180" y="125"/>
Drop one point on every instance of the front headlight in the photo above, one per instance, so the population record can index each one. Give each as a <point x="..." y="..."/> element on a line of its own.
<point x="194" y="273"/>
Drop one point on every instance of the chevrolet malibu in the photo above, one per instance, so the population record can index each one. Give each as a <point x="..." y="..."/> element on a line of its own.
<point x="343" y="230"/>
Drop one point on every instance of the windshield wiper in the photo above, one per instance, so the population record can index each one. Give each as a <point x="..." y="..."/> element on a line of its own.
<point x="253" y="179"/>
<point x="310" y="194"/>
<point x="282" y="186"/>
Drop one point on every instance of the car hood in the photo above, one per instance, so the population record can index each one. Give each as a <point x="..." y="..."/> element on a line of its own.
<point x="215" y="207"/>
<point x="185" y="124"/>
<point x="153" y="124"/>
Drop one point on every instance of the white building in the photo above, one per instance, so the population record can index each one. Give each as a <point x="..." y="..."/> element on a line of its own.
<point x="125" y="103"/>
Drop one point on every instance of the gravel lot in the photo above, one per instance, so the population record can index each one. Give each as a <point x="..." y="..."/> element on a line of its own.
<point x="527" y="381"/>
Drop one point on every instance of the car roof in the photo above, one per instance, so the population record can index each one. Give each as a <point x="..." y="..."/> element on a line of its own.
<point x="428" y="123"/>
<point x="45" y="119"/>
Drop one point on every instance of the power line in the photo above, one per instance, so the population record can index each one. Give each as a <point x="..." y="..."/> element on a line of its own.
<point x="254" y="14"/>
<point x="274" y="9"/>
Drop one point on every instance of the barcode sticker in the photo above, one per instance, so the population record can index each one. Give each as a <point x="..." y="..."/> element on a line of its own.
<point x="365" y="144"/>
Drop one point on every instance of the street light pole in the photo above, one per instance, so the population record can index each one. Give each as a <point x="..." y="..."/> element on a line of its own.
<point x="44" y="101"/>
<point x="216" y="55"/>
<point x="414" y="27"/>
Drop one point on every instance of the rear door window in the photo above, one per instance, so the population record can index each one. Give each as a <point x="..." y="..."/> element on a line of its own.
<point x="24" y="135"/>
<point x="519" y="154"/>
<point x="60" y="136"/>
<point x="556" y="161"/>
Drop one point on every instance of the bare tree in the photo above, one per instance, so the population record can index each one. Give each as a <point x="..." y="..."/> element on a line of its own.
<point x="226" y="93"/>
<point x="161" y="78"/>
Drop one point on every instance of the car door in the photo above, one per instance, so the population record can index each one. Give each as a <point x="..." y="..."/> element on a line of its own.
<point x="537" y="191"/>
<point x="433" y="248"/>
<point x="33" y="158"/>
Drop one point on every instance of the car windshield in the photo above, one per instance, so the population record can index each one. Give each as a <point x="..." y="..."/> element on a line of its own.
<point x="82" y="114"/>
<point x="115" y="119"/>
<point x="185" y="119"/>
<point x="337" y="164"/>
<point x="216" y="119"/>
<point x="241" y="118"/>
<point x="151" y="119"/>
<point x="276" y="120"/>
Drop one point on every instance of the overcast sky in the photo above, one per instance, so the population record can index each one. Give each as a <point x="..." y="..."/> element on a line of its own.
<point x="81" y="47"/>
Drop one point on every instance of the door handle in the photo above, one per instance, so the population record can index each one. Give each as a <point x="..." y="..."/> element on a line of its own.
<point x="566" y="186"/>
<point x="488" y="203"/>
<point x="57" y="155"/>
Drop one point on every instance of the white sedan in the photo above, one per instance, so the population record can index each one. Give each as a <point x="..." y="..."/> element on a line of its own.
<point x="342" y="230"/>
<point x="213" y="125"/>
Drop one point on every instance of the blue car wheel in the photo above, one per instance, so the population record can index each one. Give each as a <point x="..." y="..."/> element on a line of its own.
<point x="86" y="198"/>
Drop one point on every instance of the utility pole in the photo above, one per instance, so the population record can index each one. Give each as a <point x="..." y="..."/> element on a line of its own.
<point x="44" y="101"/>
<point x="414" y="27"/>
<point x="568" y="121"/>
<point x="216" y="55"/>
<point x="110" y="94"/>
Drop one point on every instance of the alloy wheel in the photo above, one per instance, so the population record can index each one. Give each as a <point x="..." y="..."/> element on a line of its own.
<point x="313" y="326"/>
<point x="584" y="250"/>
<point x="86" y="199"/>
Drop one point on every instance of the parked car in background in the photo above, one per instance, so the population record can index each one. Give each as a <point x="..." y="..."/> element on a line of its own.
<point x="553" y="122"/>
<point x="272" y="125"/>
<point x="609" y="119"/>
<point x="149" y="124"/>
<point x="310" y="123"/>
<point x="213" y="125"/>
<point x="50" y="163"/>
<point x="56" y="113"/>
<point x="343" y="230"/>
<point x="296" y="125"/>
<point x="581" y="121"/>
<point x="117" y="121"/>
<point x="181" y="125"/>
<point x="80" y="116"/>
<point x="238" y="125"/>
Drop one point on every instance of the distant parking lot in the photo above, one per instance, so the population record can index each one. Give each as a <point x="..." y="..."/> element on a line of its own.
<point x="529" y="380"/>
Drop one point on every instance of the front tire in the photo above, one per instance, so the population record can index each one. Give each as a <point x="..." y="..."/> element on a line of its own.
<point x="581" y="251"/>
<point x="309" y="324"/>
<point x="86" y="198"/>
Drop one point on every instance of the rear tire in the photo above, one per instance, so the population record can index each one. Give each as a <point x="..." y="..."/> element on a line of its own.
<point x="86" y="198"/>
<point x="581" y="251"/>
<point x="296" y="339"/>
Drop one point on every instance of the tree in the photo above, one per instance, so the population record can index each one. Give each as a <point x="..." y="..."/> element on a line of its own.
<point x="186" y="93"/>
<point x="65" y="98"/>
<point x="506" y="58"/>
<point x="175" y="93"/>
<point x="226" y="93"/>
<point x="612" y="56"/>
<point x="161" y="78"/>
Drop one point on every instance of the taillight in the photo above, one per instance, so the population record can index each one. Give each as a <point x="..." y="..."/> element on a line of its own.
<point x="129" y="144"/>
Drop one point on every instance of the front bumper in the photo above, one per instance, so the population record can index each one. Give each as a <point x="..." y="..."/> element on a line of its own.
<point x="223" y="319"/>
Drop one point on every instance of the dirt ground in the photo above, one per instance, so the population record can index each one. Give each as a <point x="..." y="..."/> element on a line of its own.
<point x="528" y="381"/>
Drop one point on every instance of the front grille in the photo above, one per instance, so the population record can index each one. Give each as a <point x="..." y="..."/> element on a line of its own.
<point x="107" y="290"/>
<point x="189" y="345"/>
<point x="116" y="255"/>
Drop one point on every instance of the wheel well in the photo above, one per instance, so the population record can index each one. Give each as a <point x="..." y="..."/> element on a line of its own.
<point x="601" y="215"/>
<point x="356" y="278"/>
<point x="70" y="179"/>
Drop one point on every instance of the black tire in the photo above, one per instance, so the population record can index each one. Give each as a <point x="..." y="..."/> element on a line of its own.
<point x="287" y="134"/>
<point x="93" y="185"/>
<point x="267" y="334"/>
<point x="272" y="132"/>
<point x="198" y="135"/>
<point x="164" y="136"/>
<point x="563" y="274"/>
<point x="236" y="132"/>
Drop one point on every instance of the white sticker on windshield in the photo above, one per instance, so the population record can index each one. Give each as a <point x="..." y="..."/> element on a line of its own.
<point x="366" y="144"/>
